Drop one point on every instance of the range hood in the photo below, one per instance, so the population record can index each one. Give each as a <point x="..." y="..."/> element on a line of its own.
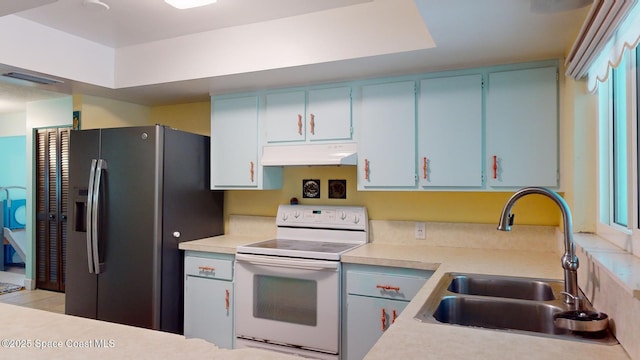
<point x="309" y="154"/>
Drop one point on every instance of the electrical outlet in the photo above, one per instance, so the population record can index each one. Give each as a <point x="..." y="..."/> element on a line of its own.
<point x="421" y="232"/>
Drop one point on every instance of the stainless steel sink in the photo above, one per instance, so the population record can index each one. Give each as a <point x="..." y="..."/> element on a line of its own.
<point x="497" y="314"/>
<point x="504" y="287"/>
<point x="504" y="303"/>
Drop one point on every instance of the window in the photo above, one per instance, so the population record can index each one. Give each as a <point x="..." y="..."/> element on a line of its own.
<point x="619" y="144"/>
<point x="619" y="210"/>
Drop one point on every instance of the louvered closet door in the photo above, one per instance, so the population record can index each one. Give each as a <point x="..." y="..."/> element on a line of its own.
<point x="52" y="184"/>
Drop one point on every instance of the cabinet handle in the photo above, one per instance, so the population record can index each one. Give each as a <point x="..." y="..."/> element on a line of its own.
<point x="251" y="171"/>
<point x="383" y="319"/>
<point x="424" y="167"/>
<point x="206" y="268"/>
<point x="366" y="169"/>
<point x="388" y="287"/>
<point x="299" y="124"/>
<point x="394" y="316"/>
<point x="312" y="123"/>
<point x="226" y="300"/>
<point x="495" y="167"/>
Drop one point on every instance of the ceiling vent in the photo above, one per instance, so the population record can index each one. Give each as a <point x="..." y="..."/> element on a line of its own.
<point x="32" y="78"/>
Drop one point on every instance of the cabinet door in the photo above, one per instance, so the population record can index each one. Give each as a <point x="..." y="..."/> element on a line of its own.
<point x="386" y="149"/>
<point x="329" y="114"/>
<point x="367" y="319"/>
<point x="207" y="311"/>
<point x="285" y="116"/>
<point x="522" y="128"/>
<point x="450" y="132"/>
<point x="234" y="142"/>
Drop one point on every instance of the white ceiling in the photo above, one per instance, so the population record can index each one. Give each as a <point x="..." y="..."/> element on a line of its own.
<point x="132" y="22"/>
<point x="467" y="33"/>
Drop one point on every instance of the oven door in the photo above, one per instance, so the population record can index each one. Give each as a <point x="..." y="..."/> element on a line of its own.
<point x="288" y="301"/>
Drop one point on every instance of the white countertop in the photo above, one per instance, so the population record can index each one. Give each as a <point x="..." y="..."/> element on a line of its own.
<point x="411" y="339"/>
<point x="223" y="244"/>
<point x="35" y="334"/>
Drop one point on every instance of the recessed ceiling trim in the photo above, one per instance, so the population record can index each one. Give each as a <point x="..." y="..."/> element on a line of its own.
<point x="32" y="78"/>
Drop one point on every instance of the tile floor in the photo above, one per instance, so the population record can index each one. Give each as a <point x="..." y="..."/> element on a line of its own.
<point x="36" y="299"/>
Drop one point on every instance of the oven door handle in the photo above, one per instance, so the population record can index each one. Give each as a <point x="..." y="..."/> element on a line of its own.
<point x="306" y="264"/>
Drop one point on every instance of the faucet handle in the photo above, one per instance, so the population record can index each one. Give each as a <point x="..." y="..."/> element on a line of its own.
<point x="576" y="300"/>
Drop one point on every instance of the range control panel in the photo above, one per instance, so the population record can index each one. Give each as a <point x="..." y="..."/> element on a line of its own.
<point x="336" y="217"/>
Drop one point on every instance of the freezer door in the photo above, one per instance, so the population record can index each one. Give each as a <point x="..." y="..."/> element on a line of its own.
<point x="129" y="240"/>
<point x="80" y="282"/>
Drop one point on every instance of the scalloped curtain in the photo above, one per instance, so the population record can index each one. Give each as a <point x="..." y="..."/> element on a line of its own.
<point x="626" y="38"/>
<point x="611" y="28"/>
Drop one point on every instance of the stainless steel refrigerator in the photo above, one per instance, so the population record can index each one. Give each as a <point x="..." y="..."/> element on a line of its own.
<point x="135" y="193"/>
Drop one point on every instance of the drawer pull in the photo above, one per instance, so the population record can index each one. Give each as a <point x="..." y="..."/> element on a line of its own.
<point x="251" y="171"/>
<point x="394" y="316"/>
<point x="226" y="300"/>
<point x="388" y="287"/>
<point x="299" y="124"/>
<point x="206" y="268"/>
<point x="383" y="319"/>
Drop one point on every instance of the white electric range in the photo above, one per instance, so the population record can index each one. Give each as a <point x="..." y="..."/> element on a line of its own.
<point x="288" y="288"/>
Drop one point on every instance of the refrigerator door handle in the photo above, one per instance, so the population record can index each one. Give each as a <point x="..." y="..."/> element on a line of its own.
<point x="89" y="214"/>
<point x="100" y="166"/>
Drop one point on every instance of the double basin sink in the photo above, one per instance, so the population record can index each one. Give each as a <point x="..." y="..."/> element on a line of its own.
<point x="515" y="304"/>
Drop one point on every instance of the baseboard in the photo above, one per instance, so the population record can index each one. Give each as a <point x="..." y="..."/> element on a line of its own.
<point x="29" y="284"/>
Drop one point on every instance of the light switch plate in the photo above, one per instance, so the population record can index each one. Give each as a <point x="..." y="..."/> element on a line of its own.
<point x="421" y="232"/>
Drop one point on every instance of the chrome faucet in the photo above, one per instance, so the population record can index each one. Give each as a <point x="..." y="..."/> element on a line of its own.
<point x="569" y="259"/>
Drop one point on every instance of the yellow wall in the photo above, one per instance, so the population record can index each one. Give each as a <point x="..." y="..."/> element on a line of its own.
<point x="192" y="117"/>
<point x="96" y="112"/>
<point x="475" y="207"/>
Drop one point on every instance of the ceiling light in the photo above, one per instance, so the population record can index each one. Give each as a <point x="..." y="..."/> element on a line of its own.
<point x="188" y="4"/>
<point x="96" y="4"/>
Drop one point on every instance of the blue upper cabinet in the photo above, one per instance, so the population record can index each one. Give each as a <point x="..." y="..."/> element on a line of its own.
<point x="285" y="116"/>
<point x="236" y="146"/>
<point x="450" y="132"/>
<point x="386" y="128"/>
<point x="485" y="129"/>
<point x="522" y="128"/>
<point x="316" y="115"/>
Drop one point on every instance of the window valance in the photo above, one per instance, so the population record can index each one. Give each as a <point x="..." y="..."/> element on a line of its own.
<point x="611" y="27"/>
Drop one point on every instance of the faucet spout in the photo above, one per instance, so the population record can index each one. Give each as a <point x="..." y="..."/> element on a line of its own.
<point x="569" y="258"/>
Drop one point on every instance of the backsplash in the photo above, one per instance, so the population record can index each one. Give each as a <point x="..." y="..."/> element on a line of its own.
<point x="477" y="236"/>
<point x="246" y="225"/>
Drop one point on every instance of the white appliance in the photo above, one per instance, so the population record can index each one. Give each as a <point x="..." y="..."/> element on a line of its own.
<point x="288" y="288"/>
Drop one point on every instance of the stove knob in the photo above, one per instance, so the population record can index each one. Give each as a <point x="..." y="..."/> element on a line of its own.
<point x="285" y="216"/>
<point x="343" y="215"/>
<point x="356" y="219"/>
<point x="296" y="214"/>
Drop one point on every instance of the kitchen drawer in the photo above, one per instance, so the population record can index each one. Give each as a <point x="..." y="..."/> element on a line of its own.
<point x="208" y="268"/>
<point x="395" y="287"/>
